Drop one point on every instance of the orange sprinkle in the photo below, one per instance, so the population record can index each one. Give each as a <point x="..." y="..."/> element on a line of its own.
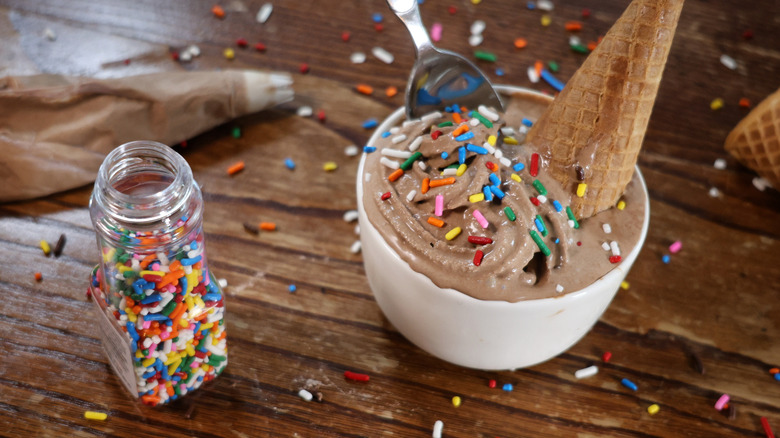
<point x="426" y="184"/>
<point x="148" y="259"/>
<point x="520" y="43"/>
<point x="395" y="175"/>
<point x="744" y="102"/>
<point x="169" y="389"/>
<point x="391" y="91"/>
<point x="268" y="226"/>
<point x="38" y="276"/>
<point x="234" y="169"/>
<point x="573" y="26"/>
<point x="774" y="371"/>
<point x="136" y="309"/>
<point x="365" y="89"/>
<point x="218" y="11"/>
<point x="175" y="266"/>
<point x="435" y="222"/>
<point x="538" y="66"/>
<point x="456" y="118"/>
<point x="592" y="45"/>
<point x="442" y="182"/>
<point x="460" y="130"/>
<point x="150" y="399"/>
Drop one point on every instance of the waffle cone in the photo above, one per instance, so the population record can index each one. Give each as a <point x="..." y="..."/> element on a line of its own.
<point x="598" y="121"/>
<point x="755" y="141"/>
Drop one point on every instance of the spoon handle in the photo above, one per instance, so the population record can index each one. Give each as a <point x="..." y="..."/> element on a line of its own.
<point x="409" y="14"/>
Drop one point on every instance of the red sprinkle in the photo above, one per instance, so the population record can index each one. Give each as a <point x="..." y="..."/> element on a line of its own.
<point x="345" y="36"/>
<point x="479" y="240"/>
<point x="491" y="165"/>
<point x="175" y="56"/>
<point x="435" y="134"/>
<point x="615" y="259"/>
<point x="579" y="243"/>
<point x="535" y="201"/>
<point x="585" y="13"/>
<point x="452" y="10"/>
<point x="183" y="144"/>
<point x="260" y="47"/>
<point x="606" y="356"/>
<point x="127" y="61"/>
<point x="478" y="258"/>
<point x="534" y="170"/>
<point x="767" y="429"/>
<point x="744" y="102"/>
<point x="378" y="27"/>
<point x="491" y="383"/>
<point x="385" y="196"/>
<point x="321" y="115"/>
<point x="89" y="293"/>
<point x="304" y="68"/>
<point x="242" y="42"/>
<point x="356" y="376"/>
<point x="747" y="34"/>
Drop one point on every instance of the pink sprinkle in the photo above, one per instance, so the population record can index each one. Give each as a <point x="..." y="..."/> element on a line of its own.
<point x="147" y="324"/>
<point x="436" y="31"/>
<point x="165" y="335"/>
<point x="481" y="219"/>
<point x="155" y="266"/>
<point x="675" y="247"/>
<point x="439" y="207"/>
<point x="721" y="401"/>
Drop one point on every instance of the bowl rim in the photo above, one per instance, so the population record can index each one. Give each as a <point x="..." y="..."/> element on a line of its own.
<point x="393" y="118"/>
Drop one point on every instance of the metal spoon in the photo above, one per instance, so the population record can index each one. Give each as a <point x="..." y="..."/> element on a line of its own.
<point x="440" y="78"/>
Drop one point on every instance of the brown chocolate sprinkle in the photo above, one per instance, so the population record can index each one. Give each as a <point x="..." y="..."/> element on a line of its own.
<point x="732" y="411"/>
<point x="580" y="173"/>
<point x="697" y="363"/>
<point x="59" y="246"/>
<point x="251" y="228"/>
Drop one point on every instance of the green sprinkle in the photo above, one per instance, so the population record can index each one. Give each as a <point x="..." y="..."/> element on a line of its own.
<point x="540" y="243"/>
<point x="485" y="56"/>
<point x="216" y="358"/>
<point x="545" y="232"/>
<point x="236" y="132"/>
<point x="579" y="48"/>
<point x="169" y="307"/>
<point x="571" y="217"/>
<point x="453" y="166"/>
<point x="510" y="214"/>
<point x="540" y="187"/>
<point x="481" y="118"/>
<point x="553" y="66"/>
<point x="409" y="161"/>
<point x="129" y="274"/>
<point x="443" y="124"/>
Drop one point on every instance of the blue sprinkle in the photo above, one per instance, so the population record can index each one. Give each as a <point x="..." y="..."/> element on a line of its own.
<point x="527" y="122"/>
<point x="557" y="240"/>
<point x="531" y="5"/>
<point x="518" y="167"/>
<point x="176" y="378"/>
<point x="552" y="80"/>
<point x="192" y="261"/>
<point x="194" y="245"/>
<point x="629" y="384"/>
<point x="558" y="206"/>
<point x="539" y="225"/>
<point x="508" y="387"/>
<point x="499" y="72"/>
<point x="369" y="149"/>
<point x="292" y="288"/>
<point x="377" y="17"/>
<point x="494" y="179"/>
<point x="386" y="134"/>
<point x="777" y="376"/>
<point x="488" y="193"/>
<point x="149" y="374"/>
<point x="289" y="163"/>
<point x="456" y="108"/>
<point x="448" y="109"/>
<point x="463" y="137"/>
<point x="155" y="317"/>
<point x="461" y="155"/>
<point x="666" y="259"/>
<point x="444" y="155"/>
<point x="212" y="297"/>
<point x="474" y="148"/>
<point x="153" y="298"/>
<point x="496" y="191"/>
<point x="370" y="123"/>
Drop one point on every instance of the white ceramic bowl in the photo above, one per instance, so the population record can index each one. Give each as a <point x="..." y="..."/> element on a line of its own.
<point x="489" y="335"/>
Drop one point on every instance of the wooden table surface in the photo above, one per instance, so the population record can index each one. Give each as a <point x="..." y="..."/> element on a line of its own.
<point x="715" y="301"/>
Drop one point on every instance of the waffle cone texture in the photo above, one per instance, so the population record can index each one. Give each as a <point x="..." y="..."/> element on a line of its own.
<point x="755" y="141"/>
<point x="599" y="119"/>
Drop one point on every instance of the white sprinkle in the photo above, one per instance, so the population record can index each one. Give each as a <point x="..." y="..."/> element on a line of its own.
<point x="355" y="248"/>
<point x="222" y="282"/>
<point x="490" y="115"/>
<point x="399" y="138"/>
<point x="390" y="163"/>
<point x="607" y="228"/>
<point x="571" y="223"/>
<point x="383" y="55"/>
<point x="304" y="394"/>
<point x="350" y="215"/>
<point x="532" y="76"/>
<point x="559" y="288"/>
<point x="478" y="27"/>
<point x="507" y="131"/>
<point x="728" y="61"/>
<point x="194" y="50"/>
<point x="720" y="164"/>
<point x="395" y="153"/>
<point x="498" y="153"/>
<point x="523" y="129"/>
<point x="586" y="372"/>
<point x="304" y="111"/>
<point x="185" y="56"/>
<point x="761" y="183"/>
<point x="357" y="58"/>
<point x="450" y="171"/>
<point x="473" y="122"/>
<point x="542" y="199"/>
<point x="357" y="229"/>
<point x="489" y="147"/>
<point x="410" y="196"/>
<point x="351" y="150"/>
<point x="714" y="192"/>
<point x="615" y="248"/>
<point x="475" y="40"/>
<point x="430" y="116"/>
<point x="505" y="161"/>
<point x="147" y="342"/>
<point x="264" y="12"/>
<point x="605" y="246"/>
<point x="395" y="130"/>
<point x="409" y="122"/>
<point x="367" y="176"/>
<point x="545" y="5"/>
<point x="574" y="40"/>
<point x="438" y="426"/>
<point x="421" y="164"/>
<point x="49" y="34"/>
<point x="416" y="143"/>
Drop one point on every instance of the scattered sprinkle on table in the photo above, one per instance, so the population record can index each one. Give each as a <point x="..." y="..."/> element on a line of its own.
<point x="292" y="288"/>
<point x="456" y="401"/>
<point x="38" y="276"/>
<point x="267" y="226"/>
<point x="289" y="163"/>
<point x="45" y="247"/>
<point x="218" y="11"/>
<point x="59" y="246"/>
<point x="365" y="89"/>
<point x="357" y="377"/>
<point x="508" y="387"/>
<point x="438" y="426"/>
<point x="330" y="166"/>
<point x="716" y="104"/>
<point x="91" y="415"/>
<point x="653" y="409"/>
<point x="629" y="384"/>
<point x="305" y="395"/>
<point x="235" y="168"/>
<point x="264" y="12"/>
<point x="586" y="372"/>
<point x="383" y="55"/>
<point x="357" y="58"/>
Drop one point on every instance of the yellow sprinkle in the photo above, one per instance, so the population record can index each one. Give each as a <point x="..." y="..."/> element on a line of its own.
<point x="172" y="357"/>
<point x="624" y="285"/>
<point x="158" y="273"/>
<point x="184" y="323"/>
<point x="148" y="362"/>
<point x="130" y="315"/>
<point x="453" y="233"/>
<point x="456" y="401"/>
<point x="205" y="367"/>
<point x="581" y="187"/>
<point x="461" y="170"/>
<point x="190" y="349"/>
<point x="477" y="197"/>
<point x="546" y="20"/>
<point x="653" y="409"/>
<point x="330" y="166"/>
<point x="492" y="140"/>
<point x="206" y="326"/>
<point x="173" y="367"/>
<point x="138" y="354"/>
<point x="510" y="140"/>
<point x="45" y="247"/>
<point x="716" y="104"/>
<point x="90" y="415"/>
<point x="476" y="2"/>
<point x="122" y="268"/>
<point x="192" y="280"/>
<point x="516" y="177"/>
<point x="189" y="302"/>
<point x="621" y="205"/>
<point x="199" y="302"/>
<point x="229" y="53"/>
<point x="109" y="255"/>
